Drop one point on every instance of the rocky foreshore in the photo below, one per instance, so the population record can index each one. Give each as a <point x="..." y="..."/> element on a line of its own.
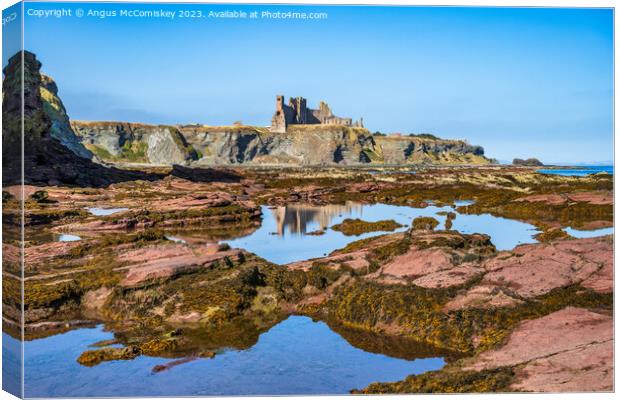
<point x="144" y="250"/>
<point x="157" y="263"/>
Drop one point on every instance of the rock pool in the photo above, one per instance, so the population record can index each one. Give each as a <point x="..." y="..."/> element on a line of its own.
<point x="297" y="356"/>
<point x="105" y="211"/>
<point x="65" y="237"/>
<point x="284" y="237"/>
<point x="580" y="234"/>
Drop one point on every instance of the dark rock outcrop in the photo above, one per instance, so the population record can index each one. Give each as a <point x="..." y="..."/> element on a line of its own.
<point x="530" y="162"/>
<point x="45" y="159"/>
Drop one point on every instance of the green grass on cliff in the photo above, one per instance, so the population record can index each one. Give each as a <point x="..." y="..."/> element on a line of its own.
<point x="374" y="155"/>
<point x="100" y="152"/>
<point x="180" y="141"/>
<point x="134" y="152"/>
<point x="130" y="152"/>
<point x="52" y="104"/>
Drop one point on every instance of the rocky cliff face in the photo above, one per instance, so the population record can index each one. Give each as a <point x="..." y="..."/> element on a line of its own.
<point x="135" y="143"/>
<point x="300" y="145"/>
<point x="415" y="150"/>
<point x="50" y="152"/>
<point x="199" y="145"/>
<point x="324" y="145"/>
<point x="60" y="128"/>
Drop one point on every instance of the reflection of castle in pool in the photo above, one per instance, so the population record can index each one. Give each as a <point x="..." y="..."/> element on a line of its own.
<point x="296" y="218"/>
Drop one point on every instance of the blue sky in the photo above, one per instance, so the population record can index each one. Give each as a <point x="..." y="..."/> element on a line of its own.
<point x="519" y="81"/>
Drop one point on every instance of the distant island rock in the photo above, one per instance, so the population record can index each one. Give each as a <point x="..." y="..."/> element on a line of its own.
<point x="530" y="162"/>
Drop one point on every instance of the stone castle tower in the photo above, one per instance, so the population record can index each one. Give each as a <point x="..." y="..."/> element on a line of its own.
<point x="297" y="112"/>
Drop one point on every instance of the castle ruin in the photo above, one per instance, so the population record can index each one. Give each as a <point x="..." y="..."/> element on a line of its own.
<point x="297" y="112"/>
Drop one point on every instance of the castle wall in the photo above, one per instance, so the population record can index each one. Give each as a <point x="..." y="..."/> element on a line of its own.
<point x="297" y="112"/>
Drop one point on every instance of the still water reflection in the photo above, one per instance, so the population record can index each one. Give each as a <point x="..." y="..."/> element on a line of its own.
<point x="288" y="233"/>
<point x="297" y="356"/>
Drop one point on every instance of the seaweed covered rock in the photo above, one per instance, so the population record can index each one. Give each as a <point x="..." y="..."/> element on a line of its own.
<point x="437" y="260"/>
<point x="552" y="234"/>
<point x="91" y="358"/>
<point x="163" y="262"/>
<point x="155" y="347"/>
<point x="451" y="381"/>
<point x="424" y="224"/>
<point x="355" y="227"/>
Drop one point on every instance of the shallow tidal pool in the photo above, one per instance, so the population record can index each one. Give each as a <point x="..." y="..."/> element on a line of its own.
<point x="297" y="356"/>
<point x="583" y="234"/>
<point x="287" y="232"/>
<point x="103" y="212"/>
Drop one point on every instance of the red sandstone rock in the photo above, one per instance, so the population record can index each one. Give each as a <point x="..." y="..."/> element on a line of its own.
<point x="154" y="252"/>
<point x="95" y="299"/>
<point x="415" y="263"/>
<point x="253" y="188"/>
<point x="313" y="300"/>
<point x="10" y="253"/>
<point x="589" y="368"/>
<point x="563" y="330"/>
<point x="356" y="260"/>
<point x="601" y="281"/>
<point x="570" y="349"/>
<point x="483" y="296"/>
<point x="166" y="261"/>
<point x="38" y="254"/>
<point x="535" y="269"/>
<point x="98" y="226"/>
<point x="365" y="187"/>
<point x="192" y="317"/>
<point x="457" y="275"/>
<point x="216" y="199"/>
<point x="552" y="199"/>
<point x="16" y="191"/>
<point x="429" y="268"/>
<point x="592" y="225"/>
<point x="599" y="198"/>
